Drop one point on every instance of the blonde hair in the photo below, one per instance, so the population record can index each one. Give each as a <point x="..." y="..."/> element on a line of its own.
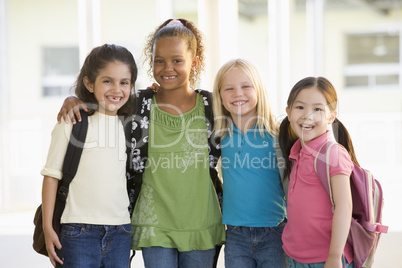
<point x="265" y="119"/>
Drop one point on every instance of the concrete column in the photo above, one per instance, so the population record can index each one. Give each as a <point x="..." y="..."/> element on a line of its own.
<point x="3" y="62"/>
<point x="228" y="30"/>
<point x="218" y="20"/>
<point x="164" y="10"/>
<point x="279" y="54"/>
<point x="315" y="36"/>
<point x="89" y="23"/>
<point x="4" y="111"/>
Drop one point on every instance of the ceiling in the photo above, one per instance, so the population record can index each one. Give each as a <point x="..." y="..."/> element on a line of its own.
<point x="252" y="8"/>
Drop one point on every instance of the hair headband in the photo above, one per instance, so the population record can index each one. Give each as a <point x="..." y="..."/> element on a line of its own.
<point x="175" y="23"/>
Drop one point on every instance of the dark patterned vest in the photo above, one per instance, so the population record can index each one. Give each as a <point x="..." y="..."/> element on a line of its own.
<point x="138" y="152"/>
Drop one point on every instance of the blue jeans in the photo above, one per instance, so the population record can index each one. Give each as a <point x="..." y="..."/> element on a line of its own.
<point x="158" y="257"/>
<point x="296" y="264"/>
<point x="254" y="247"/>
<point x="94" y="246"/>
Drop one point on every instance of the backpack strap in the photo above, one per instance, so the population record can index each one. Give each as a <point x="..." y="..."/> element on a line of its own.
<point x="281" y="163"/>
<point x="321" y="167"/>
<point x="214" y="149"/>
<point x="214" y="144"/>
<point x="73" y="155"/>
<point x="70" y="166"/>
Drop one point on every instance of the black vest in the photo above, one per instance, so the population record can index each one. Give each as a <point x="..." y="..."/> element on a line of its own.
<point x="138" y="153"/>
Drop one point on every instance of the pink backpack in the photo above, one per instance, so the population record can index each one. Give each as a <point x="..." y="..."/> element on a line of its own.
<point x="367" y="198"/>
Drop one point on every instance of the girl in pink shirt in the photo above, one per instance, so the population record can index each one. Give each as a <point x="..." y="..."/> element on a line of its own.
<point x="315" y="236"/>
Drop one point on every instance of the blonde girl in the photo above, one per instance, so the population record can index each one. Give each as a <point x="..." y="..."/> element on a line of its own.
<point x="315" y="236"/>
<point x="254" y="207"/>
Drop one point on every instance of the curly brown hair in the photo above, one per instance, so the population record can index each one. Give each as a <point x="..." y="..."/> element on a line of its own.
<point x="188" y="33"/>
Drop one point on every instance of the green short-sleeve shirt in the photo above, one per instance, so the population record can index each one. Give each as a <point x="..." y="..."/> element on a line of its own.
<point x="177" y="206"/>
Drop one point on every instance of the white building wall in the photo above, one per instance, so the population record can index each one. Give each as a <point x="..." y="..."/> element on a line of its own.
<point x="373" y="117"/>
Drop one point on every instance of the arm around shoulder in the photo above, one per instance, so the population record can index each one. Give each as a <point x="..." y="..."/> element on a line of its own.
<point x="71" y="106"/>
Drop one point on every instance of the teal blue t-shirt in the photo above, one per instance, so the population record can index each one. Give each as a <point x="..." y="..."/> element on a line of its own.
<point x="253" y="193"/>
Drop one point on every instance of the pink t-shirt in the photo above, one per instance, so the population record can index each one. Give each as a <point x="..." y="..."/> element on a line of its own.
<point x="307" y="235"/>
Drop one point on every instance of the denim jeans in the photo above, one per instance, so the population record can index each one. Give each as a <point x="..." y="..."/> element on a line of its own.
<point x="296" y="264"/>
<point x="254" y="247"/>
<point x="158" y="257"/>
<point x="94" y="246"/>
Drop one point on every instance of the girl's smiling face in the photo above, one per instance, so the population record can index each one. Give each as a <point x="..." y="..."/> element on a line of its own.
<point x="310" y="115"/>
<point x="112" y="87"/>
<point x="239" y="97"/>
<point x="172" y="63"/>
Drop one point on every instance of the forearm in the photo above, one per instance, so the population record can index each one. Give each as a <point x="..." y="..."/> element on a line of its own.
<point x="342" y="196"/>
<point x="49" y="191"/>
<point x="340" y="230"/>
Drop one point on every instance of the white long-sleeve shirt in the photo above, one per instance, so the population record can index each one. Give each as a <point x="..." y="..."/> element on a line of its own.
<point x="97" y="194"/>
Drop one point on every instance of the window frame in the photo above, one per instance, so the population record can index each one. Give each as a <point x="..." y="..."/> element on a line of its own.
<point x="373" y="70"/>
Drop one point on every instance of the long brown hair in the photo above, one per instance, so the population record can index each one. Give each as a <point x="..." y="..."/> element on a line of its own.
<point x="286" y="135"/>
<point x="97" y="59"/>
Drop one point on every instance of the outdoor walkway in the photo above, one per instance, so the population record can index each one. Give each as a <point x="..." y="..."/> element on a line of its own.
<point x="16" y="246"/>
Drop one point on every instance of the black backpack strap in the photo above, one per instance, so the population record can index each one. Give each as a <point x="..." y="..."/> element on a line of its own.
<point x="73" y="155"/>
<point x="214" y="148"/>
<point x="138" y="154"/>
<point x="214" y="143"/>
<point x="70" y="166"/>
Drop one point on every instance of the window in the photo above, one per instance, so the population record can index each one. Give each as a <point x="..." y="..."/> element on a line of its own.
<point x="373" y="60"/>
<point x="60" y="67"/>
